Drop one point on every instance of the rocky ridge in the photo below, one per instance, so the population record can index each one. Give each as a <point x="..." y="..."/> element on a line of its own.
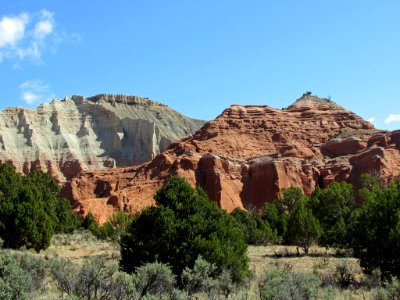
<point x="247" y="155"/>
<point x="67" y="136"/>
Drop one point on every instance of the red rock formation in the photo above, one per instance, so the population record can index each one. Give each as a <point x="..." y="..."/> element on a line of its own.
<point x="247" y="155"/>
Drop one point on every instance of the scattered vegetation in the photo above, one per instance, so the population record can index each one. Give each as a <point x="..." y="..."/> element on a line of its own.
<point x="188" y="248"/>
<point x="112" y="229"/>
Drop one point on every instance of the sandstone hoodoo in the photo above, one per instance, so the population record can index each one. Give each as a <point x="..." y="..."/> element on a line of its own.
<point x="247" y="155"/>
<point x="67" y="136"/>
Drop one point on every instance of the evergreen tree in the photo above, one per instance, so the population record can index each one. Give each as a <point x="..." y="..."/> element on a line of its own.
<point x="303" y="228"/>
<point x="30" y="209"/>
<point x="256" y="231"/>
<point x="291" y="197"/>
<point x="333" y="207"/>
<point x="274" y="213"/>
<point x="184" y="225"/>
<point x="376" y="230"/>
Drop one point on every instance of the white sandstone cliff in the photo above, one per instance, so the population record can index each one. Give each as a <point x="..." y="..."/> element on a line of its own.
<point x="66" y="136"/>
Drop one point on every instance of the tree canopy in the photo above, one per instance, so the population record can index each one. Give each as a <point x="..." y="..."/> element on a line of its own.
<point x="31" y="210"/>
<point x="184" y="225"/>
<point x="376" y="230"/>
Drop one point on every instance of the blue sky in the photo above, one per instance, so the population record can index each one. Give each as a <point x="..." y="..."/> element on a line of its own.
<point x="199" y="57"/>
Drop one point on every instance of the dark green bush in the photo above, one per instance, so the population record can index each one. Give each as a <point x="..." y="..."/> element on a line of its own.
<point x="256" y="231"/>
<point x="376" y="230"/>
<point x="303" y="229"/>
<point x="274" y="213"/>
<point x="90" y="223"/>
<point x="113" y="228"/>
<point x="30" y="209"/>
<point x="333" y="207"/>
<point x="184" y="225"/>
<point x="277" y="213"/>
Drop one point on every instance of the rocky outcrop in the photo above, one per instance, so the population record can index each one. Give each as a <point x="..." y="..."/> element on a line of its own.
<point x="67" y="136"/>
<point x="247" y="155"/>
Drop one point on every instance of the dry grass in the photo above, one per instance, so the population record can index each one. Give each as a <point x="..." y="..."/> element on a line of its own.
<point x="320" y="261"/>
<point x="286" y="256"/>
<point x="79" y="247"/>
<point x="82" y="245"/>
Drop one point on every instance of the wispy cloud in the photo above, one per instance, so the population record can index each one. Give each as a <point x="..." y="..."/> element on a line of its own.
<point x="29" y="35"/>
<point x="392" y="119"/>
<point x="33" y="91"/>
<point x="371" y="120"/>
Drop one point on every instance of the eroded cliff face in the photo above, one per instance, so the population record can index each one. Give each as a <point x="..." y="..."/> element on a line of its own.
<point x="247" y="155"/>
<point x="67" y="136"/>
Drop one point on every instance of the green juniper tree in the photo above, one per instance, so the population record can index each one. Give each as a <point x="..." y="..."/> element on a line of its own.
<point x="333" y="207"/>
<point x="184" y="225"/>
<point x="303" y="228"/>
<point x="31" y="210"/>
<point x="375" y="230"/>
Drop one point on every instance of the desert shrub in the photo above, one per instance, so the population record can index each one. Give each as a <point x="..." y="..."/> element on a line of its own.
<point x="114" y="227"/>
<point x="373" y="280"/>
<point x="154" y="279"/>
<point x="30" y="209"/>
<point x="256" y="231"/>
<point x="303" y="228"/>
<point x="203" y="279"/>
<point x="64" y="274"/>
<point x="124" y="287"/>
<point x="389" y="291"/>
<point x="225" y="285"/>
<point x="343" y="275"/>
<point x="281" y="284"/>
<point x="15" y="283"/>
<point x="34" y="266"/>
<point x="376" y="230"/>
<point x="199" y="279"/>
<point x="184" y="225"/>
<point x="93" y="280"/>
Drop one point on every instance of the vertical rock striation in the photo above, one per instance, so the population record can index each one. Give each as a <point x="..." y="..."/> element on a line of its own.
<point x="67" y="136"/>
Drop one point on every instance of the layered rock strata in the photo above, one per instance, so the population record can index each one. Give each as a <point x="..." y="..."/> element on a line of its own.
<point x="247" y="155"/>
<point x="67" y="136"/>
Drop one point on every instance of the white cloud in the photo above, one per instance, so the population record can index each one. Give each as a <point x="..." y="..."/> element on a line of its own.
<point x="44" y="26"/>
<point x="29" y="35"/>
<point x="392" y="118"/>
<point x="371" y="120"/>
<point x="12" y="29"/>
<point x="33" y="91"/>
<point x="30" y="97"/>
